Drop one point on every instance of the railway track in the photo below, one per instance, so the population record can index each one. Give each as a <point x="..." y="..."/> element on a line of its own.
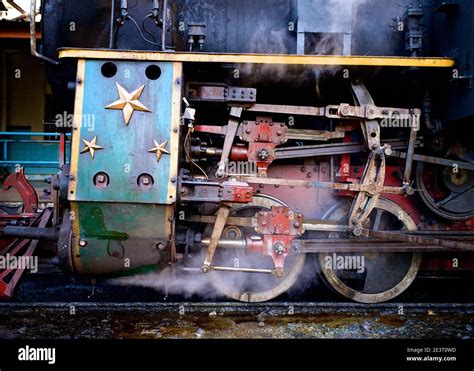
<point x="276" y="320"/>
<point x="271" y="308"/>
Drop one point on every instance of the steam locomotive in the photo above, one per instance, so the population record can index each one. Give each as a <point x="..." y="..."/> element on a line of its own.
<point x="256" y="141"/>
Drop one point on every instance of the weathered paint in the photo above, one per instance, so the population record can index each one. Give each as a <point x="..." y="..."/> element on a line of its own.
<point x="116" y="232"/>
<point x="314" y="60"/>
<point x="125" y="155"/>
<point x="121" y="225"/>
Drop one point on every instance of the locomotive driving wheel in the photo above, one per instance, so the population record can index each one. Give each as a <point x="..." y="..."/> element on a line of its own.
<point x="447" y="191"/>
<point x="372" y="277"/>
<point x="251" y="287"/>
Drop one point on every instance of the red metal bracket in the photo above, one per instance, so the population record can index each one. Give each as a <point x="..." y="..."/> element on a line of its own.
<point x="263" y="136"/>
<point x="280" y="227"/>
<point x="10" y="277"/>
<point x="27" y="193"/>
<point x="237" y="192"/>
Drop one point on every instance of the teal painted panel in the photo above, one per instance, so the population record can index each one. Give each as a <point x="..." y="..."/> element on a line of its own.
<point x="125" y="155"/>
<point x="33" y="156"/>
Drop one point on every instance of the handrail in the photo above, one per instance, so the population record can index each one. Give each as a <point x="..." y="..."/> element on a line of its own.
<point x="31" y="134"/>
<point x="4" y="142"/>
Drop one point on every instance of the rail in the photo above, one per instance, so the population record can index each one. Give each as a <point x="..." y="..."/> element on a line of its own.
<point x="18" y="148"/>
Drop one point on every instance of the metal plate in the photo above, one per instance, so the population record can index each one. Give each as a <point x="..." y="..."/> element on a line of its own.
<point x="125" y="148"/>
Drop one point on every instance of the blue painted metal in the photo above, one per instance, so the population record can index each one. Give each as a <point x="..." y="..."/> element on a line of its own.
<point x="39" y="156"/>
<point x="125" y="155"/>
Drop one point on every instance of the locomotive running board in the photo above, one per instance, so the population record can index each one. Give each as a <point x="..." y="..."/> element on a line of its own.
<point x="310" y="60"/>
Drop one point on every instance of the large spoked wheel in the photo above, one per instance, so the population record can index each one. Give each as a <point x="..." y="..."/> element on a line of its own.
<point x="251" y="287"/>
<point x="448" y="193"/>
<point x="372" y="277"/>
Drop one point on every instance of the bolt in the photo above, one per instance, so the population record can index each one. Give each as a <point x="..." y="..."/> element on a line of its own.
<point x="345" y="111"/>
<point x="173" y="180"/>
<point x="409" y="191"/>
<point x="146" y="181"/>
<point x="297" y="224"/>
<point x="248" y="131"/>
<point x="375" y="147"/>
<point x="279" y="272"/>
<point x="279" y="247"/>
<point x="263" y="154"/>
<point x="264" y="223"/>
<point x="205" y="269"/>
<point x="279" y="133"/>
<point x="83" y="243"/>
<point x="357" y="231"/>
<point x="101" y="178"/>
<point x="160" y="246"/>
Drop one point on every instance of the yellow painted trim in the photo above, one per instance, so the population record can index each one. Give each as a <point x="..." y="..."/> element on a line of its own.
<point x="76" y="132"/>
<point x="76" y="261"/>
<point x="175" y="128"/>
<point x="75" y="150"/>
<point x="314" y="60"/>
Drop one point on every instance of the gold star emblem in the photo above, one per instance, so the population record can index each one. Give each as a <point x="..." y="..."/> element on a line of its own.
<point x="159" y="149"/>
<point x="128" y="102"/>
<point x="91" y="147"/>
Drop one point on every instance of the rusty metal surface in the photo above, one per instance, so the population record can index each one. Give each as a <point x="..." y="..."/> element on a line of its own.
<point x="9" y="278"/>
<point x="18" y="181"/>
<point x="221" y="93"/>
<point x="222" y="214"/>
<point x="331" y="149"/>
<point x="233" y="320"/>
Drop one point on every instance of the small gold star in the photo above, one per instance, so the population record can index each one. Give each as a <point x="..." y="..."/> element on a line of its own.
<point x="91" y="147"/>
<point x="159" y="149"/>
<point x="128" y="102"/>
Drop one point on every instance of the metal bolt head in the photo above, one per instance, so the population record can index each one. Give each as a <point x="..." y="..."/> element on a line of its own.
<point x="83" y="243"/>
<point x="279" y="247"/>
<point x="263" y="154"/>
<point x="410" y="191"/>
<point x="160" y="246"/>
<point x="357" y="231"/>
<point x="279" y="272"/>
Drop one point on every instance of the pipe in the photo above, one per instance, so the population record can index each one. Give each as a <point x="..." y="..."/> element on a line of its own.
<point x="112" y="25"/>
<point x="31" y="233"/>
<point x="163" y="32"/>
<point x="33" y="36"/>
